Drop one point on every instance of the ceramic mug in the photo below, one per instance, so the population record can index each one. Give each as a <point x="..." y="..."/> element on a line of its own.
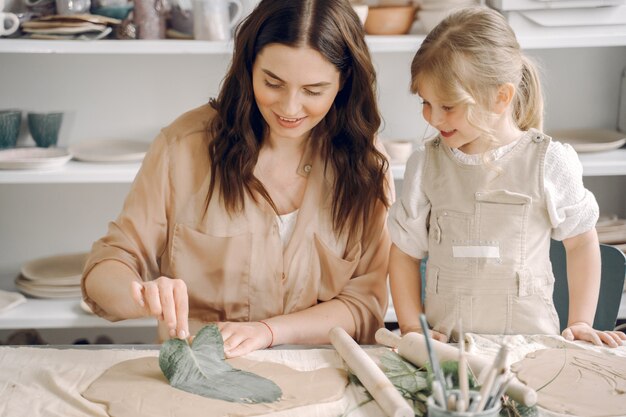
<point x="41" y="7"/>
<point x="44" y="128"/>
<point x="69" y="7"/>
<point x="213" y="20"/>
<point x="10" y="121"/>
<point x="10" y="21"/>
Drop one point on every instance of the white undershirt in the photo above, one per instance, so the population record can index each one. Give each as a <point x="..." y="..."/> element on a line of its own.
<point x="286" y="224"/>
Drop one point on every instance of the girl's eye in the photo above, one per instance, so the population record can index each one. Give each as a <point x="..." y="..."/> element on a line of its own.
<point x="447" y="108"/>
<point x="312" y="93"/>
<point x="425" y="103"/>
<point x="270" y="85"/>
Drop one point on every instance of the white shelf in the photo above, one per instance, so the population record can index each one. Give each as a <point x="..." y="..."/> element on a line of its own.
<point x="75" y="172"/>
<point x="594" y="164"/>
<point x="60" y="313"/>
<point x="597" y="164"/>
<point x="172" y="47"/>
<point x="575" y="37"/>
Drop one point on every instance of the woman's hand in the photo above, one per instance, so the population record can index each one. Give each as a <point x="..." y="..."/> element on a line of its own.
<point x="241" y="338"/>
<point x="583" y="331"/>
<point x="167" y="300"/>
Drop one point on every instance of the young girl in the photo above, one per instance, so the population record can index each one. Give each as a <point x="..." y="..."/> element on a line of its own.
<point x="484" y="197"/>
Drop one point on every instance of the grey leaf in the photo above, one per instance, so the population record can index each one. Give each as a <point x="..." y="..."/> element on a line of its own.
<point x="201" y="369"/>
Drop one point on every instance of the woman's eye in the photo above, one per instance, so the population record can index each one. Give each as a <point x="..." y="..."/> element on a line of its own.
<point x="270" y="85"/>
<point x="447" y="108"/>
<point x="312" y="93"/>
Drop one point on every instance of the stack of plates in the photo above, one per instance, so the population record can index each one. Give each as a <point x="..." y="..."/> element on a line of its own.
<point x="110" y="150"/>
<point x="612" y="231"/>
<point x="590" y="140"/>
<point x="52" y="277"/>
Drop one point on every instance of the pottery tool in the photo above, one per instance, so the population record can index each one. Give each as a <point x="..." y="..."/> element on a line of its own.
<point x="370" y="375"/>
<point x="433" y="359"/>
<point x="494" y="380"/>
<point x="412" y="347"/>
<point x="463" y="381"/>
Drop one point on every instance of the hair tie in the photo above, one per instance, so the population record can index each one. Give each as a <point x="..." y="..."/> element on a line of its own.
<point x="271" y="332"/>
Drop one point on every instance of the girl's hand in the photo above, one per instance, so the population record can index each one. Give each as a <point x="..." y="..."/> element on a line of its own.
<point x="440" y="337"/>
<point x="241" y="338"/>
<point x="167" y="300"/>
<point x="583" y="331"/>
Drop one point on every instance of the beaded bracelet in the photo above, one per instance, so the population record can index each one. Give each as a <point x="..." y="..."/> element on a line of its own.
<point x="271" y="332"/>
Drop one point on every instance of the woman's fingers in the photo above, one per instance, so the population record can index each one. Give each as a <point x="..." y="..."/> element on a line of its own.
<point x="136" y="291"/>
<point x="152" y="298"/>
<point x="242" y="338"/>
<point x="246" y="346"/>
<point x="181" y="301"/>
<point x="167" y="300"/>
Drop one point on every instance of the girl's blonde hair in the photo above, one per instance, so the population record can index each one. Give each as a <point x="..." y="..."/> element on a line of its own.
<point x="469" y="55"/>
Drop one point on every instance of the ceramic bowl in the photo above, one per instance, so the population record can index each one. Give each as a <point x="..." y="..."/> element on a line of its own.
<point x="10" y="121"/>
<point x="390" y="20"/>
<point x="120" y="11"/>
<point x="44" y="128"/>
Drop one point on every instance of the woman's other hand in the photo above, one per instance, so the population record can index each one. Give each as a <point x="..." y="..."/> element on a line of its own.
<point x="241" y="338"/>
<point x="583" y="331"/>
<point x="167" y="300"/>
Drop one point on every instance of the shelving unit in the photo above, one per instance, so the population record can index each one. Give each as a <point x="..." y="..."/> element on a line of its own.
<point x="60" y="313"/>
<point x="159" y="56"/>
<point x="594" y="164"/>
<point x="575" y="38"/>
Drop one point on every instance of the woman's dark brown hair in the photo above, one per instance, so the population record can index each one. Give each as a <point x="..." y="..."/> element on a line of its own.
<point x="348" y="131"/>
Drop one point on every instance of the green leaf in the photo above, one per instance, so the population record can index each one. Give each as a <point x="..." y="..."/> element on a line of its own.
<point x="201" y="369"/>
<point x="403" y="375"/>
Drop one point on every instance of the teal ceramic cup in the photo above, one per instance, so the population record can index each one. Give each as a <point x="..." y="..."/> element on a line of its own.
<point x="44" y="128"/>
<point x="10" y="121"/>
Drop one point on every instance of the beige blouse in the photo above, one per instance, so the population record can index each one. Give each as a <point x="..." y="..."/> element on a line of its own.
<point x="235" y="266"/>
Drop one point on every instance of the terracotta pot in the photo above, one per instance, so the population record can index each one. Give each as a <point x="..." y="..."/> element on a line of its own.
<point x="390" y="20"/>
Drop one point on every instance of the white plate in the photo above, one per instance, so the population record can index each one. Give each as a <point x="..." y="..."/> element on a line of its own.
<point x="34" y="292"/>
<point x="590" y="140"/>
<point x="110" y="150"/>
<point x="55" y="269"/>
<point x="10" y="299"/>
<point x="33" y="158"/>
<point x="582" y="16"/>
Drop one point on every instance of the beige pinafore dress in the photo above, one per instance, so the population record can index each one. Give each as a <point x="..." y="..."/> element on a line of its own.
<point x="489" y="241"/>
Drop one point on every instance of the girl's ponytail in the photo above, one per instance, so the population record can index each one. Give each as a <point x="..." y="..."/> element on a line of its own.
<point x="528" y="109"/>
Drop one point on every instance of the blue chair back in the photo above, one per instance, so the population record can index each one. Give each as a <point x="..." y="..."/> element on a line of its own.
<point x="611" y="285"/>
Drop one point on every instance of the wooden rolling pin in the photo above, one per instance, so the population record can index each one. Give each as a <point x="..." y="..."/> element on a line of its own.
<point x="412" y="347"/>
<point x="370" y="375"/>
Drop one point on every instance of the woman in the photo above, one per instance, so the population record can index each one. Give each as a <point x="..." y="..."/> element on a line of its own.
<point x="263" y="211"/>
